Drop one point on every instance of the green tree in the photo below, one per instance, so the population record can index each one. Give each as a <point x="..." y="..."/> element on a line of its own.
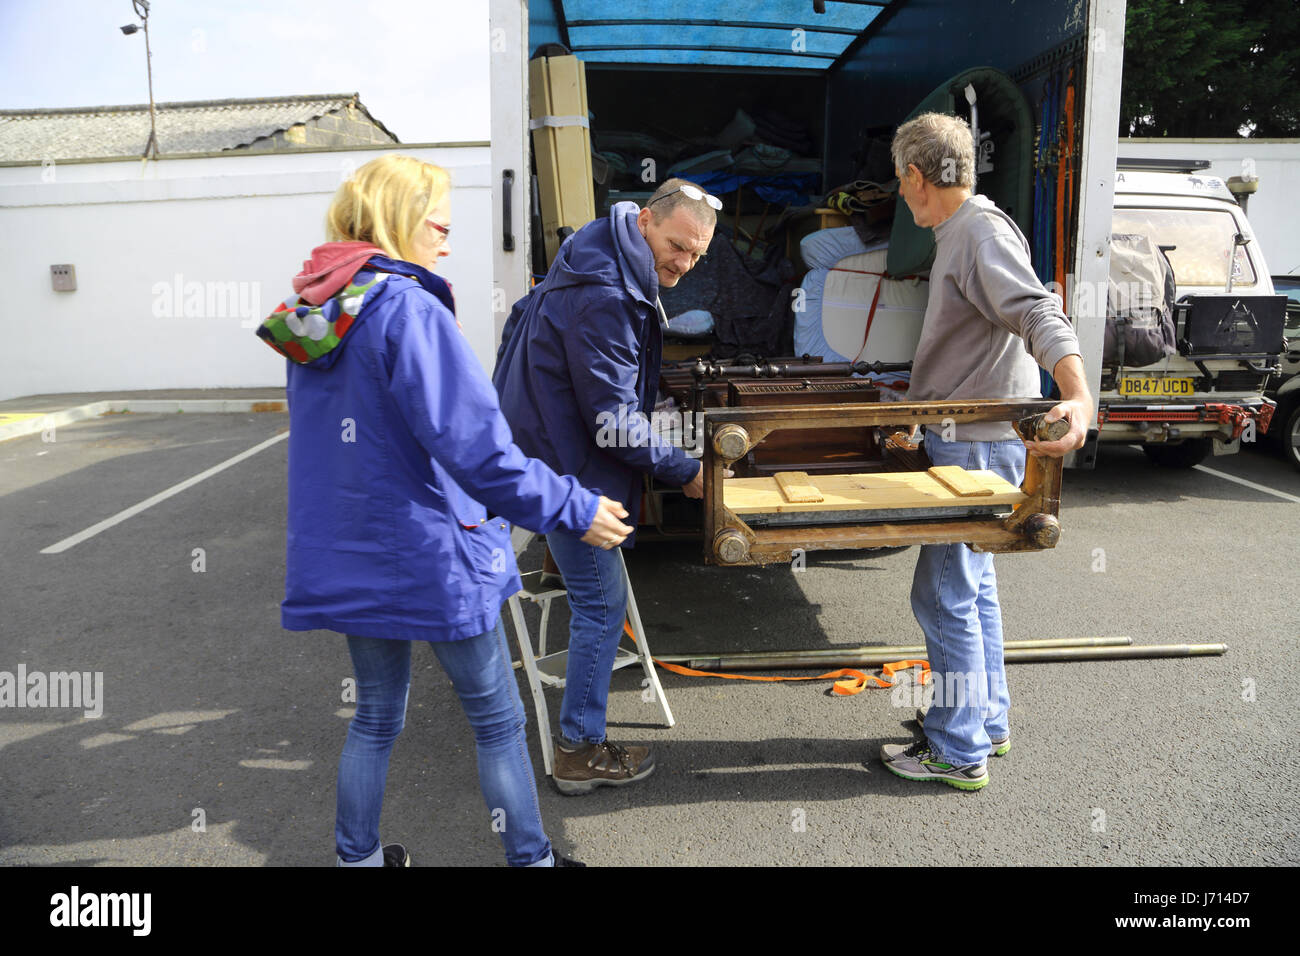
<point x="1211" y="68"/>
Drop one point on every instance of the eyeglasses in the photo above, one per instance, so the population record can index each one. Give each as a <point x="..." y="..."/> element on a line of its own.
<point x="445" y="230"/>
<point x="690" y="192"/>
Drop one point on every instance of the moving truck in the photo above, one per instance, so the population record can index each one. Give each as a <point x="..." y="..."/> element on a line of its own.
<point x="848" y="69"/>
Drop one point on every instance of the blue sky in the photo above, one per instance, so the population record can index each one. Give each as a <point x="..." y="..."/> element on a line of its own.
<point x="421" y="66"/>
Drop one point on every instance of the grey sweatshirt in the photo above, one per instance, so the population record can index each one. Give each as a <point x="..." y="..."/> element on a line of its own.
<point x="986" y="315"/>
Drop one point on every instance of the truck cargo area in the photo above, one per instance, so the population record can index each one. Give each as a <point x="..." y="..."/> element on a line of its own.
<point x="805" y="313"/>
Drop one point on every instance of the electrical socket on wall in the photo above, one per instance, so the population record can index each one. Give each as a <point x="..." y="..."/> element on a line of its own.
<point x="64" y="278"/>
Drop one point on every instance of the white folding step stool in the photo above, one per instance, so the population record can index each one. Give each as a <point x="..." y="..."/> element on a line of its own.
<point x="548" y="670"/>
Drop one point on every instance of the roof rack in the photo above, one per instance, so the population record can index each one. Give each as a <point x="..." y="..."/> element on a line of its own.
<point x="1164" y="165"/>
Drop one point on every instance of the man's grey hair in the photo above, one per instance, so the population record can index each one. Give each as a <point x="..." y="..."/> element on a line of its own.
<point x="669" y="197"/>
<point x="940" y="146"/>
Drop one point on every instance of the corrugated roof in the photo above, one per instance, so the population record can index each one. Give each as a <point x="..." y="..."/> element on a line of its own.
<point x="198" y="126"/>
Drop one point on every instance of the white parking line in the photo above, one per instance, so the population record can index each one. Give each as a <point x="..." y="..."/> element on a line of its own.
<point x="1248" y="484"/>
<point x="134" y="510"/>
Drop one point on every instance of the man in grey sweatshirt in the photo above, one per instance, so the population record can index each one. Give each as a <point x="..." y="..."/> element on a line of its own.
<point x="987" y="315"/>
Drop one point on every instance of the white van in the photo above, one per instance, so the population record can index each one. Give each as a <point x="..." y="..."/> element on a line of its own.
<point x="1200" y="400"/>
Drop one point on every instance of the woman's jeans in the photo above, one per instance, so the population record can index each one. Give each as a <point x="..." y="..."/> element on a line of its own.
<point x="955" y="600"/>
<point x="479" y="669"/>
<point x="597" y="594"/>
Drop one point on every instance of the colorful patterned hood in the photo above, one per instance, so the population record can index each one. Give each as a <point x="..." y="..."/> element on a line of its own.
<point x="304" y="332"/>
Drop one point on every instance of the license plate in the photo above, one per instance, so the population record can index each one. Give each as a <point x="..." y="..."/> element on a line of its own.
<point x="1149" y="386"/>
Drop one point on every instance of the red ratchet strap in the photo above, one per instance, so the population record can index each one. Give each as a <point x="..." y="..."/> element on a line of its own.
<point x="871" y="317"/>
<point x="871" y="314"/>
<point x="1064" y="179"/>
<point x="847" y="681"/>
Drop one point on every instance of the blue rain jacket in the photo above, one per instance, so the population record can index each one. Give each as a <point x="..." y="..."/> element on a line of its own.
<point x="579" y="360"/>
<point x="403" y="475"/>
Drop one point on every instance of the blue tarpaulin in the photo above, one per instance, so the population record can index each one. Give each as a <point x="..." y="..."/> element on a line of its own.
<point x="787" y="189"/>
<point x="758" y="33"/>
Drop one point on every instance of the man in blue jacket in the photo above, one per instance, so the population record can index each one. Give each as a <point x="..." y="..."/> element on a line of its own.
<point x="579" y="354"/>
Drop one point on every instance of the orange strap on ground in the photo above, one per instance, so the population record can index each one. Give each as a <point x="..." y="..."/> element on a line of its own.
<point x="847" y="681"/>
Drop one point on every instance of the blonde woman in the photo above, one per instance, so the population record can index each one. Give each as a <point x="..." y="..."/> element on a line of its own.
<point x="403" y="479"/>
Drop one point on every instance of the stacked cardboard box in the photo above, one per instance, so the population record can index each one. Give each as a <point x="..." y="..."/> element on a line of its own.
<point x="561" y="145"/>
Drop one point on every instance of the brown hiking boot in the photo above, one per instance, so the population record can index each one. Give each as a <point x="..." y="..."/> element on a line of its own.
<point x="606" y="764"/>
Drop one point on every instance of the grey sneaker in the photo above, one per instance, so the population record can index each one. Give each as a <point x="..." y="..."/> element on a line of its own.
<point x="1001" y="747"/>
<point x="916" y="761"/>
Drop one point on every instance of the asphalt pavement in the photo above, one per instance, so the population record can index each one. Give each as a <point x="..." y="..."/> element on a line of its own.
<point x="220" y="733"/>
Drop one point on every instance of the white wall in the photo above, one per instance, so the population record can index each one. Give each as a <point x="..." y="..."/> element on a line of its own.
<point x="1272" y="209"/>
<point x="239" y="223"/>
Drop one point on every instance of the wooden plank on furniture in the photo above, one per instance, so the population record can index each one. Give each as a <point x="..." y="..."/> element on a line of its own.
<point x="875" y="490"/>
<point x="796" y="486"/>
<point x="958" y="480"/>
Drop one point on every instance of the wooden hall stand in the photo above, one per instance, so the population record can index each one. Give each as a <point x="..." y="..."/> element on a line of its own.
<point x="732" y="537"/>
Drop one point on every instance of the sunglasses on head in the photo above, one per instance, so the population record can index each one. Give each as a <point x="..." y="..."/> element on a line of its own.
<point x="690" y="192"/>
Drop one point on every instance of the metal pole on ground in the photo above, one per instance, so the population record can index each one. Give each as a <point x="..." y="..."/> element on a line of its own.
<point x="877" y="657"/>
<point x="887" y="654"/>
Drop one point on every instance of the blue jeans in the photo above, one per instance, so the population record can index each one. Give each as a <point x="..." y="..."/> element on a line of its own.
<point x="479" y="669"/>
<point x="955" y="600"/>
<point x="597" y="609"/>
